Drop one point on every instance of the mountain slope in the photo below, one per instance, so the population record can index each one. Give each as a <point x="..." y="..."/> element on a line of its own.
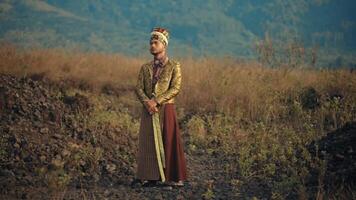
<point x="200" y="27"/>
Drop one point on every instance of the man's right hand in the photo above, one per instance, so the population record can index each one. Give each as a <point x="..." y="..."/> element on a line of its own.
<point x="151" y="108"/>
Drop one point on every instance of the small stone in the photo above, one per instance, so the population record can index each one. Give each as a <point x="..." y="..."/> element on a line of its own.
<point x="43" y="158"/>
<point x="339" y="156"/>
<point x="96" y="177"/>
<point x="65" y="153"/>
<point x="17" y="145"/>
<point x="111" y="168"/>
<point x="7" y="173"/>
<point x="107" y="192"/>
<point x="73" y="145"/>
<point x="57" y="136"/>
<point x="158" y="197"/>
<point x="57" y="163"/>
<point x="44" y="130"/>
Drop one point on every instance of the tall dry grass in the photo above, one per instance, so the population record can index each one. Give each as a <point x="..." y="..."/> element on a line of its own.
<point x="95" y="69"/>
<point x="245" y="90"/>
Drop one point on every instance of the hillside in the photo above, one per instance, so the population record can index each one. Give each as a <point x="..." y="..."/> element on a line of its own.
<point x="199" y="27"/>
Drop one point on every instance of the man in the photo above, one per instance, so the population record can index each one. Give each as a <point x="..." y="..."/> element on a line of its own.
<point x="160" y="155"/>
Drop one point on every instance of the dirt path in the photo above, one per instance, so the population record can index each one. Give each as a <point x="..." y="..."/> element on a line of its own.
<point x="206" y="181"/>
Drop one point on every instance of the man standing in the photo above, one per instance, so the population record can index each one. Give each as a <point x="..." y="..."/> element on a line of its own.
<point x="160" y="155"/>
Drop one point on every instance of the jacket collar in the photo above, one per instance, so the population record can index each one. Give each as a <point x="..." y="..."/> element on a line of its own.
<point x="151" y="65"/>
<point x="160" y="62"/>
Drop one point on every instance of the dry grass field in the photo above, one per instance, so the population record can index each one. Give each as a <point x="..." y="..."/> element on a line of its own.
<point x="260" y="127"/>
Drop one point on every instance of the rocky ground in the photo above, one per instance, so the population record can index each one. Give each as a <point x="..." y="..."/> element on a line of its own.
<point x="338" y="150"/>
<point x="48" y="151"/>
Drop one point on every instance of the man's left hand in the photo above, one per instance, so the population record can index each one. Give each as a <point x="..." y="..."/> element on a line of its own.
<point x="152" y="106"/>
<point x="151" y="103"/>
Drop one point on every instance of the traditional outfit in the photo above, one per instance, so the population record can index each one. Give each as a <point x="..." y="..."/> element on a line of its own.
<point x="160" y="154"/>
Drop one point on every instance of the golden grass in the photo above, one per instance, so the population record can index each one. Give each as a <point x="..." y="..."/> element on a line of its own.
<point x="245" y="90"/>
<point x="94" y="68"/>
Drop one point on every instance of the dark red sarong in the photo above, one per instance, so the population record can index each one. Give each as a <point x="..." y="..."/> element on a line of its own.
<point x="176" y="167"/>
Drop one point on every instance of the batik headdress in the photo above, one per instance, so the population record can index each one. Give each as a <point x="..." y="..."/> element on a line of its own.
<point x="160" y="34"/>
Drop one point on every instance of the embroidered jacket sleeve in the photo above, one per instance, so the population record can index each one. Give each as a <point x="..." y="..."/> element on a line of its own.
<point x="140" y="87"/>
<point x="175" y="85"/>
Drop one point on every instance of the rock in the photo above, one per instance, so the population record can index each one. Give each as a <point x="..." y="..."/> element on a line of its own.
<point x="77" y="102"/>
<point x="110" y="168"/>
<point x="158" y="197"/>
<point x="107" y="193"/>
<point x="44" y="130"/>
<point x="28" y="159"/>
<point x="57" y="136"/>
<point x="35" y="116"/>
<point x="43" y="158"/>
<point x="96" y="177"/>
<point x="65" y="153"/>
<point x="336" y="149"/>
<point x="73" y="145"/>
<point x="310" y="98"/>
<point x="57" y="163"/>
<point x="17" y="145"/>
<point x="6" y="173"/>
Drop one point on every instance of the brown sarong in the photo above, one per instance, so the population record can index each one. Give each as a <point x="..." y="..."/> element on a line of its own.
<point x="147" y="167"/>
<point x="176" y="168"/>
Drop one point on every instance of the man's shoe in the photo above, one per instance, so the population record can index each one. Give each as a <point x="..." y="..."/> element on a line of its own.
<point x="178" y="184"/>
<point x="136" y="182"/>
<point x="165" y="186"/>
<point x="149" y="183"/>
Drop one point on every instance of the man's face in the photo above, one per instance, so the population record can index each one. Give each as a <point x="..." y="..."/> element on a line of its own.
<point x="156" y="47"/>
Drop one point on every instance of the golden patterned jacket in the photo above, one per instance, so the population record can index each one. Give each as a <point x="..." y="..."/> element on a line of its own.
<point x="167" y="87"/>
